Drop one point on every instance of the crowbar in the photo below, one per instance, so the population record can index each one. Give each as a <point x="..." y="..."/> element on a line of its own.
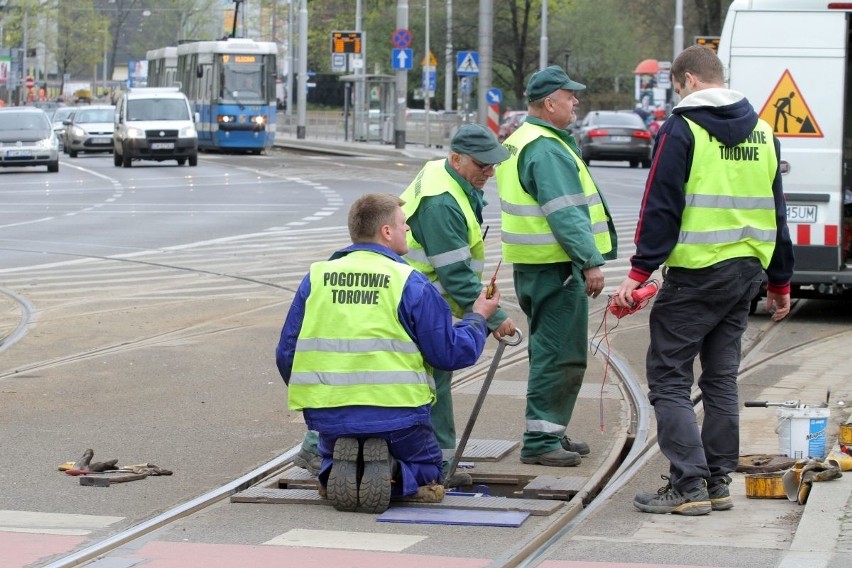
<point x="495" y="362"/>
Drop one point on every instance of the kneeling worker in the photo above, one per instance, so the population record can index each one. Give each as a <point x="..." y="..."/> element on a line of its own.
<point x="356" y="350"/>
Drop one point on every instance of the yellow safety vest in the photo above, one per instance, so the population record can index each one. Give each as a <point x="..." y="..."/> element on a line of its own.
<point x="730" y="208"/>
<point x="434" y="179"/>
<point x="526" y="234"/>
<point x="352" y="349"/>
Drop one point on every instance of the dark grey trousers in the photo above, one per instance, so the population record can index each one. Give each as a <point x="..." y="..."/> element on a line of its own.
<point x="700" y="313"/>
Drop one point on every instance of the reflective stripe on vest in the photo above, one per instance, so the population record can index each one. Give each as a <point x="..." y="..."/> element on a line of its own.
<point x="526" y="234"/>
<point x="730" y="208"/>
<point x="434" y="179"/>
<point x="352" y="349"/>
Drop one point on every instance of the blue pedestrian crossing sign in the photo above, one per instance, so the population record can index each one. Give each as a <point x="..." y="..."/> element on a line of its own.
<point x="467" y="63"/>
<point x="402" y="59"/>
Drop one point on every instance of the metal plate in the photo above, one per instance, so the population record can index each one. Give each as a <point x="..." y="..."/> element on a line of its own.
<point x="548" y="486"/>
<point x="453" y="517"/>
<point x="487" y="450"/>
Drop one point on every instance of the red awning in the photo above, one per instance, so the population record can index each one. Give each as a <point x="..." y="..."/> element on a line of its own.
<point x="647" y="67"/>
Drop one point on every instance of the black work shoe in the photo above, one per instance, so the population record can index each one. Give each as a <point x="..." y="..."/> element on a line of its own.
<point x="309" y="461"/>
<point x="343" y="480"/>
<point x="581" y="448"/>
<point x="720" y="493"/>
<point x="458" y="479"/>
<point x="374" y="489"/>
<point x="670" y="500"/>
<point x="555" y="458"/>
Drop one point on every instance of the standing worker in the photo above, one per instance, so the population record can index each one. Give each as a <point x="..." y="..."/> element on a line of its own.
<point x="713" y="213"/>
<point x="558" y="232"/>
<point x="443" y="207"/>
<point x="355" y="350"/>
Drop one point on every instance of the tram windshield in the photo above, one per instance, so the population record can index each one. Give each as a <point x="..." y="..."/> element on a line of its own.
<point x="242" y="83"/>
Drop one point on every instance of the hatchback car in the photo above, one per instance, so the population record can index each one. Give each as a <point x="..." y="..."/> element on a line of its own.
<point x="90" y="130"/>
<point x="27" y="139"/>
<point x="614" y="135"/>
<point x="512" y="119"/>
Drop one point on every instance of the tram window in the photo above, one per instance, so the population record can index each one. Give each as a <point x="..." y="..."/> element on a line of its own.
<point x="243" y="82"/>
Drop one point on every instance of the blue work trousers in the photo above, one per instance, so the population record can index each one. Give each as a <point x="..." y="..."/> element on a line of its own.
<point x="701" y="313"/>
<point x="414" y="449"/>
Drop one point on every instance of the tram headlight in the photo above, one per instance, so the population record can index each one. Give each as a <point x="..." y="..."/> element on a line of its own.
<point x="226" y="118"/>
<point x="259" y="120"/>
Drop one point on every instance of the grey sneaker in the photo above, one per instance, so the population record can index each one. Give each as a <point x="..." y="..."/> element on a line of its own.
<point x="555" y="458"/>
<point x="309" y="461"/>
<point x="669" y="500"/>
<point x="570" y="445"/>
<point x="720" y="493"/>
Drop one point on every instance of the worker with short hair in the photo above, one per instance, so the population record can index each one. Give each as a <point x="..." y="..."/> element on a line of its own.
<point x="356" y="350"/>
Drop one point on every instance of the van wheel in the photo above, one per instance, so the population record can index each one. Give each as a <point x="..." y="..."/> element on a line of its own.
<point x="116" y="159"/>
<point x="193" y="160"/>
<point x="72" y="154"/>
<point x="181" y="161"/>
<point x="125" y="158"/>
<point x="53" y="167"/>
<point x="634" y="163"/>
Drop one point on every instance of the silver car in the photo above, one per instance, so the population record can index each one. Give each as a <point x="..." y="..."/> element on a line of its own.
<point x="59" y="116"/>
<point x="90" y="130"/>
<point x="27" y="139"/>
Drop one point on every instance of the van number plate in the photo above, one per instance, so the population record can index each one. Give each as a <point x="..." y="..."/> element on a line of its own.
<point x="162" y="145"/>
<point x="801" y="213"/>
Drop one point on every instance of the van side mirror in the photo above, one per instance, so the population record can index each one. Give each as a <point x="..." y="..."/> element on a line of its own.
<point x="199" y="71"/>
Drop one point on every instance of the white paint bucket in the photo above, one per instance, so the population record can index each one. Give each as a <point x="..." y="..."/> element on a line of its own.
<point x="801" y="432"/>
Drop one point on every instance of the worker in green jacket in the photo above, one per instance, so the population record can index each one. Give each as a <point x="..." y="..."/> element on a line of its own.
<point x="443" y="207"/>
<point x="557" y="232"/>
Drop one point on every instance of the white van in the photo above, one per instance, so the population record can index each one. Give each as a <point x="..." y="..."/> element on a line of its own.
<point x="790" y="58"/>
<point x="154" y="123"/>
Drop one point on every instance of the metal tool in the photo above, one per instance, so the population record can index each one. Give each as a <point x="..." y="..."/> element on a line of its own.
<point x="492" y="370"/>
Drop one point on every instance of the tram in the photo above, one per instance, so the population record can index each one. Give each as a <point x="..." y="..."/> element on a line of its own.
<point x="231" y="85"/>
<point x="162" y="67"/>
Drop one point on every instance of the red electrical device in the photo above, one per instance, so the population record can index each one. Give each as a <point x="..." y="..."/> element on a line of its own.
<point x="641" y="296"/>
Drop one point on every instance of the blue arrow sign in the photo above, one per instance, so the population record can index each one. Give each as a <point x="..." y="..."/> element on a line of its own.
<point x="467" y="63"/>
<point x="402" y="59"/>
<point x="494" y="96"/>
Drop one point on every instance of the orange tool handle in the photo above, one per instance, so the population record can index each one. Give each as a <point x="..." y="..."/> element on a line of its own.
<point x="490" y="290"/>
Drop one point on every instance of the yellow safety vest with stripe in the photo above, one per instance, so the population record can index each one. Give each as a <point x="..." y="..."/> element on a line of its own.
<point x="352" y="349"/>
<point x="730" y="208"/>
<point x="526" y="235"/>
<point x="434" y="179"/>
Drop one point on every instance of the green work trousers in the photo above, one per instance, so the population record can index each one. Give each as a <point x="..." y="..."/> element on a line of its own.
<point x="443" y="422"/>
<point x="558" y="319"/>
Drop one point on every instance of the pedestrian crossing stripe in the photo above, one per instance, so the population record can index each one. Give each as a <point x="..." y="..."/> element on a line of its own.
<point x="468" y="65"/>
<point x="787" y="111"/>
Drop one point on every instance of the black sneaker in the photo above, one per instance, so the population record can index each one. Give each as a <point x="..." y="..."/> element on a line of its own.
<point x="670" y="500"/>
<point x="581" y="448"/>
<point x="342" y="484"/>
<point x="720" y="494"/>
<point x="374" y="487"/>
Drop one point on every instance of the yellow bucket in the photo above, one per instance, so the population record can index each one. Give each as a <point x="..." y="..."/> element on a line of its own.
<point x="844" y="436"/>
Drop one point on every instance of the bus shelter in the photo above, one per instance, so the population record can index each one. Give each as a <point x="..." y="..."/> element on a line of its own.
<point x="370" y="109"/>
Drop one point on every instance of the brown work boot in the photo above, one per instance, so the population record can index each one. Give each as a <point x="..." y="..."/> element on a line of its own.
<point x="555" y="458"/>
<point x="432" y="493"/>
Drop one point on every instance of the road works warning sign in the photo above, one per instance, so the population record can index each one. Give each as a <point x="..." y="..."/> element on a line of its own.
<point x="787" y="111"/>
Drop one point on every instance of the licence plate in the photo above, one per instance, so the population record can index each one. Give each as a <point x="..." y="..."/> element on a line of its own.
<point x="619" y="138"/>
<point x="102" y="140"/>
<point x="18" y="154"/>
<point x="162" y="145"/>
<point x="801" y="213"/>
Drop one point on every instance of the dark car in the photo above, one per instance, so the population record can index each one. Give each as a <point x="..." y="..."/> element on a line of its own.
<point x="512" y="119"/>
<point x="614" y="135"/>
<point x="27" y="139"/>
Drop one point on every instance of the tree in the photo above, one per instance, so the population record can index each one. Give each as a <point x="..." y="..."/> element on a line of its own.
<point x="81" y="33"/>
